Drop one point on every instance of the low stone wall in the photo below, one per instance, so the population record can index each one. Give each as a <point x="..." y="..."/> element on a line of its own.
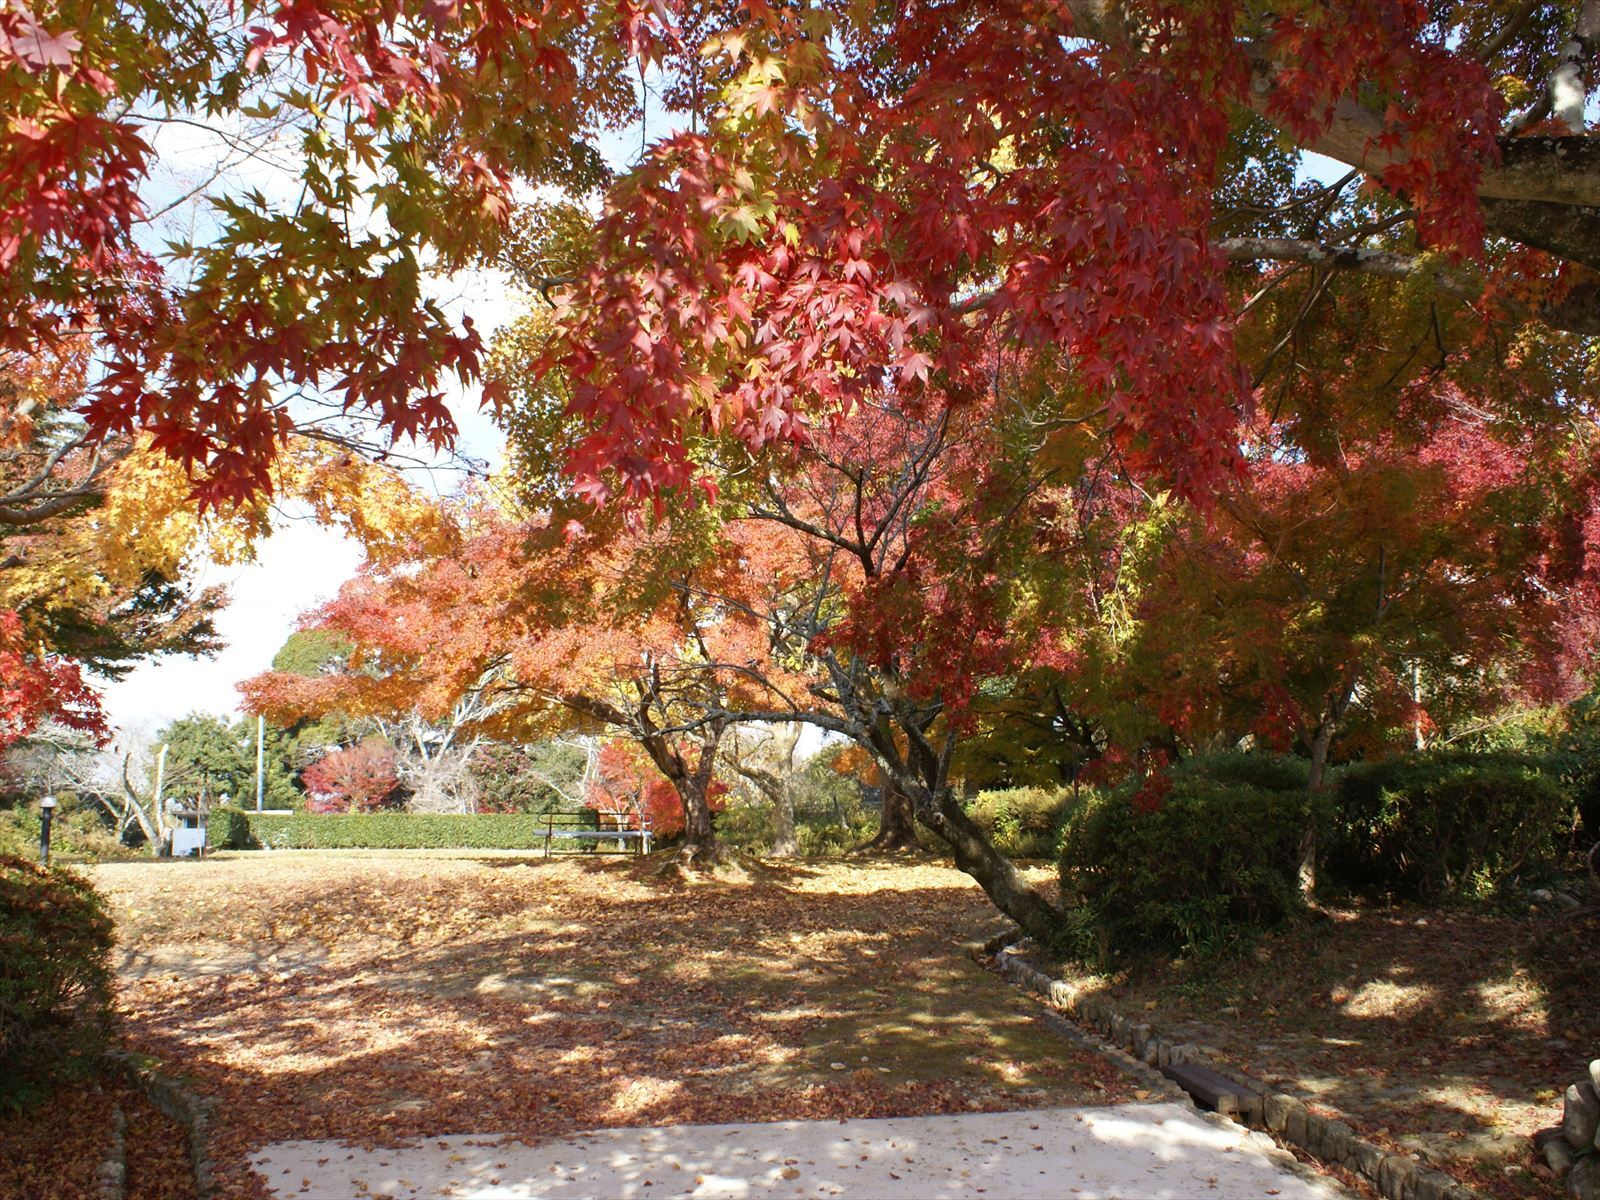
<point x="1572" y="1148"/>
<point x="1396" y="1176"/>
<point x="111" y="1180"/>
<point x="185" y="1106"/>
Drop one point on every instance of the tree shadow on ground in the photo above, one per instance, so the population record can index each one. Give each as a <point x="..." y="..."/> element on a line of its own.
<point x="1448" y="1032"/>
<point x="580" y="996"/>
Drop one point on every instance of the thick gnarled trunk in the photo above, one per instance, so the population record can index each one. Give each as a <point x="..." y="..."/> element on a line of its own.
<point x="693" y="785"/>
<point x="699" y="836"/>
<point x="999" y="878"/>
<point x="897" y="829"/>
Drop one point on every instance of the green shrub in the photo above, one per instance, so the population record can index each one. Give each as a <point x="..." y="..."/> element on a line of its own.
<point x="1446" y="826"/>
<point x="229" y="829"/>
<point x="77" y="832"/>
<point x="1255" y="768"/>
<point x="823" y="838"/>
<point x="55" y="979"/>
<point x="242" y="829"/>
<point x="1022" y="822"/>
<point x="745" y="825"/>
<point x="1196" y="868"/>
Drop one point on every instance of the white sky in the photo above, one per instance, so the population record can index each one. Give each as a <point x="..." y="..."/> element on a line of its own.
<point x="300" y="565"/>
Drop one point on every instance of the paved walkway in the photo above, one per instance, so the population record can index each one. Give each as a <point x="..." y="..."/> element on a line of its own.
<point x="1134" y="1151"/>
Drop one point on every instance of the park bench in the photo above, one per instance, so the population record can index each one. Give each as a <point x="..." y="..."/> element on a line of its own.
<point x="631" y="835"/>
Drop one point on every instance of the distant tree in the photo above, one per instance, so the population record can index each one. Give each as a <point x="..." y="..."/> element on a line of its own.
<point x="312" y="652"/>
<point x="359" y="778"/>
<point x="537" y="626"/>
<point x="542" y="777"/>
<point x="204" y="759"/>
<point x="764" y="757"/>
<point x="207" y="757"/>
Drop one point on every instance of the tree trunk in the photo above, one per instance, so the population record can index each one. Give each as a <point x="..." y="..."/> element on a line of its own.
<point x="700" y="846"/>
<point x="785" y="843"/>
<point x="699" y="838"/>
<point x="1307" y="871"/>
<point x="996" y="875"/>
<point x="897" y="827"/>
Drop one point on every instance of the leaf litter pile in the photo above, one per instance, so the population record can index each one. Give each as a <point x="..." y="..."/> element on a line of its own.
<point x="383" y="997"/>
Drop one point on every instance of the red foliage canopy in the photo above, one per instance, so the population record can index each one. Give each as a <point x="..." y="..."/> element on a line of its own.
<point x="881" y="189"/>
<point x="358" y="778"/>
<point x="35" y="687"/>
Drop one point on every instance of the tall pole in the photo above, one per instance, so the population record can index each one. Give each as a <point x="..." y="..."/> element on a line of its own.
<point x="160" y="814"/>
<point x="261" y="757"/>
<point x="47" y="811"/>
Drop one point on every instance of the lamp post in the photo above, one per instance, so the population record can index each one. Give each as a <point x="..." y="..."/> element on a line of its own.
<point x="47" y="814"/>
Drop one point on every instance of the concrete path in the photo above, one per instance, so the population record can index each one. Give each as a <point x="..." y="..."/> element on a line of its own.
<point x="1134" y="1151"/>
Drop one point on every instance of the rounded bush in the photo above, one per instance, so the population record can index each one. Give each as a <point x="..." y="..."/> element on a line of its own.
<point x="1254" y="768"/>
<point x="1190" y="870"/>
<point x="55" y="979"/>
<point x="1446" y="826"/>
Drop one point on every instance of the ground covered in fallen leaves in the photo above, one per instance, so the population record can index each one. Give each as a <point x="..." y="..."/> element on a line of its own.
<point x="384" y="996"/>
<point x="1448" y="1034"/>
<point x="55" y="1151"/>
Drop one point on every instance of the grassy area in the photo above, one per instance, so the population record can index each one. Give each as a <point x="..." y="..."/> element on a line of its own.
<point x="1446" y="1033"/>
<point x="385" y="995"/>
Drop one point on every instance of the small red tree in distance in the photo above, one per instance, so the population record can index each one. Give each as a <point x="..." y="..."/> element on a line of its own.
<point x="356" y="779"/>
<point x="627" y="785"/>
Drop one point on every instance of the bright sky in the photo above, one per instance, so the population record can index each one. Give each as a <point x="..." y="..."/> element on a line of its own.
<point x="300" y="565"/>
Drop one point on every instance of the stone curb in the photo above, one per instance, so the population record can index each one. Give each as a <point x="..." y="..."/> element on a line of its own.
<point x="173" y="1097"/>
<point x="1396" y="1176"/>
<point x="1151" y="1077"/>
<point x="111" y="1179"/>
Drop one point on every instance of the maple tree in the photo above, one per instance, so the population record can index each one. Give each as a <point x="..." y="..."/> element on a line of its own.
<point x="407" y="127"/>
<point x="38" y="687"/>
<point x="627" y="787"/>
<point x="884" y="186"/>
<point x="359" y="778"/>
<point x="99" y="540"/>
<point x="543" y="625"/>
<point x="1380" y="597"/>
<point x="877" y="197"/>
<point x="1021" y="243"/>
<point x="876" y="562"/>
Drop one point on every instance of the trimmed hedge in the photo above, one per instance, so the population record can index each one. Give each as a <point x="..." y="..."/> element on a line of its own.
<point x="1206" y="863"/>
<point x="55" y="979"/>
<point x="1446" y="826"/>
<point x="237" y="829"/>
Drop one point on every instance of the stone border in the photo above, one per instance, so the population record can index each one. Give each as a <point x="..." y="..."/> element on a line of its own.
<point x="174" y="1098"/>
<point x="1145" y="1051"/>
<point x="1157" y="1083"/>
<point x="112" y="1175"/>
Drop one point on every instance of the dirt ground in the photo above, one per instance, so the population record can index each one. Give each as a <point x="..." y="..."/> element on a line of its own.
<point x="381" y="996"/>
<point x="1445" y="1033"/>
